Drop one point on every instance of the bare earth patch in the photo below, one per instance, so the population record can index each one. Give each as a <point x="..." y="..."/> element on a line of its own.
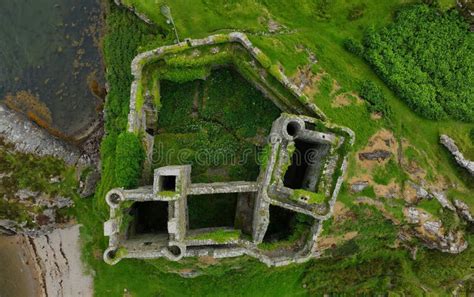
<point x="383" y="140"/>
<point x="307" y="81"/>
<point x="327" y="242"/>
<point x="392" y="190"/>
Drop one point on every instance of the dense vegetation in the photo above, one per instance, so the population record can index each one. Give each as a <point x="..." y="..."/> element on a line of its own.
<point x="217" y="125"/>
<point x="126" y="33"/>
<point x="376" y="100"/>
<point x="129" y="156"/>
<point x="427" y="57"/>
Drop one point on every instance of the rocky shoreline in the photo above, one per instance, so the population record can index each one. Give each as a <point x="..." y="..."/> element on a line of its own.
<point x="29" y="138"/>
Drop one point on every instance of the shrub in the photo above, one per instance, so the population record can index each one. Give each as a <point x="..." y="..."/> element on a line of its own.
<point x="374" y="96"/>
<point x="129" y="157"/>
<point x="426" y="57"/>
<point x="353" y="46"/>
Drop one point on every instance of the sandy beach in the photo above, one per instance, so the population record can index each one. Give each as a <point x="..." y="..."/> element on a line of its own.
<point x="49" y="265"/>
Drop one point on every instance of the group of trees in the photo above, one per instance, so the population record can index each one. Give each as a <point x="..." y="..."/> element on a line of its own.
<point x="427" y="57"/>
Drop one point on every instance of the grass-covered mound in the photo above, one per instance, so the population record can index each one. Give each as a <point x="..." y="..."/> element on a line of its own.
<point x="217" y="125"/>
<point x="427" y="57"/>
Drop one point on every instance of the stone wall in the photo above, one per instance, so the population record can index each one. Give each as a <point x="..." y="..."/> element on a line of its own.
<point x="136" y="122"/>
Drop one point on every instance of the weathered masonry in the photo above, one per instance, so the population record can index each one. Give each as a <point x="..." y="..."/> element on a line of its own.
<point x="300" y="175"/>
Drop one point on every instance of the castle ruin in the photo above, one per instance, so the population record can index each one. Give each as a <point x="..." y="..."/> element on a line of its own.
<point x="301" y="175"/>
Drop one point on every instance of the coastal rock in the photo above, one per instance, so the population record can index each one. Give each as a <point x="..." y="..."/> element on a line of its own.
<point x="458" y="156"/>
<point x="87" y="187"/>
<point x="29" y="138"/>
<point x="7" y="227"/>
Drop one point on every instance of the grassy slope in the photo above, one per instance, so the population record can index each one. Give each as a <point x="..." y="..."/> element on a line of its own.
<point x="324" y="37"/>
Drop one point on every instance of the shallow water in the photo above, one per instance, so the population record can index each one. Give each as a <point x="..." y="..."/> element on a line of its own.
<point x="17" y="275"/>
<point x="51" y="48"/>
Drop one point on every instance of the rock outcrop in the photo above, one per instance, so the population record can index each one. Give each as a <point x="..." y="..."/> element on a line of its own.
<point x="29" y="138"/>
<point x="359" y="186"/>
<point x="431" y="231"/>
<point x="458" y="156"/>
<point x="463" y="210"/>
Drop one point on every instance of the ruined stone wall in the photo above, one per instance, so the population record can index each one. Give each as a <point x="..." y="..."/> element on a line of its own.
<point x="138" y="123"/>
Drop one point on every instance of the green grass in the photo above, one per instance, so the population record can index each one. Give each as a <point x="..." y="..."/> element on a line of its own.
<point x="384" y="174"/>
<point x="219" y="236"/>
<point x="369" y="263"/>
<point x="313" y="197"/>
<point x="432" y="206"/>
<point x="47" y="177"/>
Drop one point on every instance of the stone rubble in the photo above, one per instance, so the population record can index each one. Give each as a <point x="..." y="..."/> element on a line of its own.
<point x="375" y="155"/>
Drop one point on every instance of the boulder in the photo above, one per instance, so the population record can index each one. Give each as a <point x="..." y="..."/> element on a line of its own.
<point x="458" y="156"/>
<point x="359" y="186"/>
<point x="375" y="155"/>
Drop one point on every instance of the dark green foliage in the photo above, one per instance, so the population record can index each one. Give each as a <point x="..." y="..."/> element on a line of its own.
<point x="124" y="36"/>
<point x="211" y="124"/>
<point x="353" y="46"/>
<point x="129" y="157"/>
<point x="471" y="135"/>
<point x="426" y="56"/>
<point x="126" y="33"/>
<point x="375" y="98"/>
